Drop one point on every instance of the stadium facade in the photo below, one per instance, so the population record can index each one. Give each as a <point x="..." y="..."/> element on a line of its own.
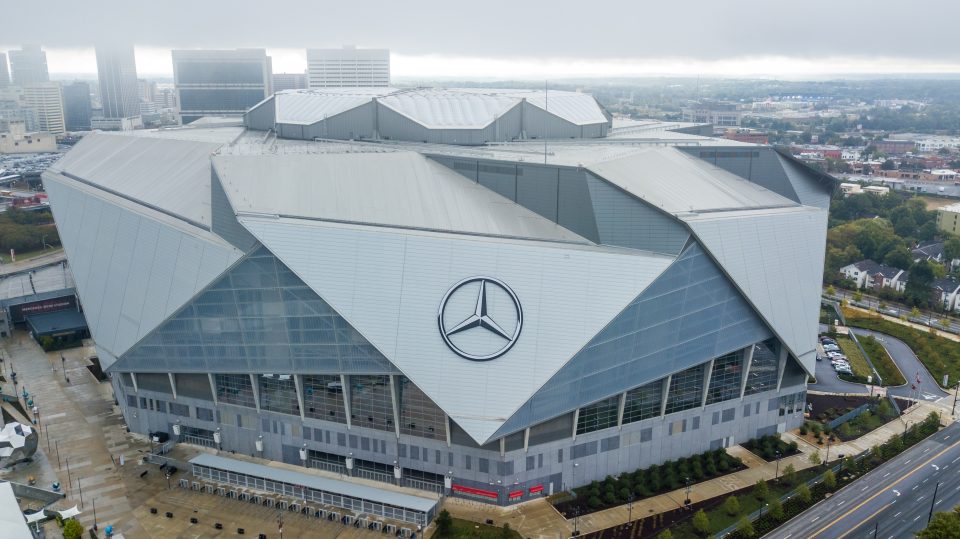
<point x="447" y="304"/>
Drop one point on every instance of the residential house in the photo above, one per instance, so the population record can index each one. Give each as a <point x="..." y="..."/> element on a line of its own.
<point x="946" y="291"/>
<point x="870" y="274"/>
<point x="932" y="251"/>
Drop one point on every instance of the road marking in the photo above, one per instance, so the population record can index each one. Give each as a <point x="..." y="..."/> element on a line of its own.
<point x="898" y="514"/>
<point x="815" y="519"/>
<point x="954" y="461"/>
<point x="915" y="487"/>
<point x="861" y="504"/>
<point x="935" y="467"/>
<point x="841" y="503"/>
<point x="897" y="492"/>
<point x="864" y="488"/>
<point x="927" y="449"/>
<point x="888" y="473"/>
<point x="908" y="462"/>
<point x="916" y="518"/>
<point x="920" y="499"/>
<point x="947" y="437"/>
<point x="938" y="503"/>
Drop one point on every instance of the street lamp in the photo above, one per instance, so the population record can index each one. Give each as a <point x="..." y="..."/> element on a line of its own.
<point x="574" y="482"/>
<point x="630" y="508"/>
<point x="776" y="476"/>
<point x="218" y="439"/>
<point x="933" y="502"/>
<point x="259" y="444"/>
<point x="689" y="487"/>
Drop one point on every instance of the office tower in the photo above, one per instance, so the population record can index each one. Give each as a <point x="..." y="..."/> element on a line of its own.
<point x="471" y="322"/>
<point x="220" y="82"/>
<point x="46" y="100"/>
<point x="76" y="106"/>
<point x="119" y="91"/>
<point x="348" y="67"/>
<point x="4" y="71"/>
<point x="148" y="90"/>
<point x="28" y="65"/>
<point x="289" y="81"/>
<point x="165" y="98"/>
<point x="13" y="108"/>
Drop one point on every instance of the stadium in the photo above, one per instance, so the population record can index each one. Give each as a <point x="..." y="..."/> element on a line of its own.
<point x="402" y="285"/>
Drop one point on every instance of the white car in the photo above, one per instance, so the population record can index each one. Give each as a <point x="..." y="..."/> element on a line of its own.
<point x="831" y="348"/>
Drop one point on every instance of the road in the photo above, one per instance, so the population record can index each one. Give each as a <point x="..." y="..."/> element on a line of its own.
<point x="925" y="318"/>
<point x="893" y="500"/>
<point x="54" y="257"/>
<point x="910" y="366"/>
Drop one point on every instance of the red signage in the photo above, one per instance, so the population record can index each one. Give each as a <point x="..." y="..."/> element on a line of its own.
<point x="536" y="489"/>
<point x="515" y="494"/>
<point x="475" y="491"/>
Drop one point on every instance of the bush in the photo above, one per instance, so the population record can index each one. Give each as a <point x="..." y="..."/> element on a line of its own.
<point x="594" y="502"/>
<point x="745" y="528"/>
<point x="701" y="522"/>
<point x="72" y="529"/>
<point x="803" y="429"/>
<point x="444" y="523"/>
<point x="804" y="494"/>
<point x="789" y="474"/>
<point x="732" y="506"/>
<point x="665" y="534"/>
<point x="776" y="509"/>
<point x="829" y="480"/>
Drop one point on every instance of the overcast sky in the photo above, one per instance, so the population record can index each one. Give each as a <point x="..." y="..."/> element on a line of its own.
<point x="515" y="39"/>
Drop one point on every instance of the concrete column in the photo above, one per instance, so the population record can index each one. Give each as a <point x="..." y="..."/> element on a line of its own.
<point x="396" y="405"/>
<point x="526" y="439"/>
<point x="576" y="418"/>
<point x="345" y="391"/>
<point x="747" y="361"/>
<point x="213" y="387"/>
<point x="173" y="385"/>
<point x="706" y="382"/>
<point x="666" y="393"/>
<point x="298" y="383"/>
<point x="503" y="446"/>
<point x="446" y="421"/>
<point x="623" y="403"/>
<point x="136" y="388"/>
<point x="781" y="365"/>
<point x="256" y="391"/>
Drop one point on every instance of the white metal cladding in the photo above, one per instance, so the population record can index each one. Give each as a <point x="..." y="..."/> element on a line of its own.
<point x="676" y="182"/>
<point x="388" y="284"/>
<point x="575" y="107"/>
<point x="307" y="107"/>
<point x="170" y="174"/>
<point x="453" y="109"/>
<point x="133" y="266"/>
<point x="809" y="191"/>
<point x="776" y="259"/>
<point x="403" y="189"/>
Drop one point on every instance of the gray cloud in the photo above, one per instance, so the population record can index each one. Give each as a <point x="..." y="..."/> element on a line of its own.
<point x="633" y="29"/>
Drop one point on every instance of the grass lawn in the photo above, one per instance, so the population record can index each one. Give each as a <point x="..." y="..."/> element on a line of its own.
<point x="940" y="356"/>
<point x="884" y="364"/>
<point x="5" y="255"/>
<point x="464" y="529"/>
<point x="858" y="363"/>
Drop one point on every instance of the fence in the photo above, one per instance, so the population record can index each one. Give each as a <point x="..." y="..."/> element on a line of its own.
<point x="328" y="466"/>
<point x="848" y="416"/>
<point x="197" y="440"/>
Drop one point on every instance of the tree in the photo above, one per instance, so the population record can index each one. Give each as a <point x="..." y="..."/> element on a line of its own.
<point x="918" y="287"/>
<point x="888" y="165"/>
<point x="665" y="534"/>
<point x="761" y="491"/>
<point x="732" y="506"/>
<point x="899" y="257"/>
<point x="945" y="525"/>
<point x="831" y="291"/>
<point x="506" y="532"/>
<point x="745" y="528"/>
<point x="776" y="509"/>
<point x="829" y="480"/>
<point x="858" y="296"/>
<point x="789" y="474"/>
<point x="951" y="249"/>
<point x="701" y="522"/>
<point x="72" y="529"/>
<point x="804" y="494"/>
<point x="444" y="524"/>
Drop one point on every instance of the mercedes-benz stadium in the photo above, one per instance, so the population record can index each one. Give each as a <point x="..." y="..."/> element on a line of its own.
<point x="404" y="286"/>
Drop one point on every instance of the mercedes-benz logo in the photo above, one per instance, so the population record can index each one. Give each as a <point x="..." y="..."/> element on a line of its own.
<point x="480" y="318"/>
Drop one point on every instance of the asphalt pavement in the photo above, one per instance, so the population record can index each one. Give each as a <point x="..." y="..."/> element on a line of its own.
<point x="827" y="379"/>
<point x="891" y="502"/>
<point x="911" y="367"/>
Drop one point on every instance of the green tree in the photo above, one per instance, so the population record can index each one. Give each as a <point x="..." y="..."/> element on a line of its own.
<point x="761" y="491"/>
<point x="899" y="257"/>
<point x="665" y="534"/>
<point x="831" y="291"/>
<point x="72" y="529"/>
<point x="804" y="494"/>
<point x="945" y="525"/>
<point x="701" y="522"/>
<point x="918" y="286"/>
<point x="506" y="532"/>
<point x="444" y="524"/>
<point x="829" y="480"/>
<point x="745" y="528"/>
<point x="888" y="165"/>
<point x="789" y="474"/>
<point x="732" y="506"/>
<point x="776" y="509"/>
<point x="951" y="249"/>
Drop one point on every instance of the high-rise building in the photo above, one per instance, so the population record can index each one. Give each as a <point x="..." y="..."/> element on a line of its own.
<point x="13" y="108"/>
<point x="76" y="106"/>
<point x="46" y="100"/>
<point x="498" y="324"/>
<point x="4" y="71"/>
<point x="148" y="90"/>
<point x="165" y="98"/>
<point x="289" y="81"/>
<point x="28" y="65"/>
<point x="119" y="91"/>
<point x="220" y="82"/>
<point x="348" y="67"/>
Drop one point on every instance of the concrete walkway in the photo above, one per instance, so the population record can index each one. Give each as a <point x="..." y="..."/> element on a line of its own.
<point x="538" y="519"/>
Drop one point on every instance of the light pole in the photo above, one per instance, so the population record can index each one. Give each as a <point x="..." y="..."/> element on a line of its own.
<point x="80" y="490"/>
<point x="574" y="482"/>
<point x="827" y="461"/>
<point x="67" y="460"/>
<point x="953" y="410"/>
<point x="94" y="502"/>
<point x="776" y="476"/>
<point x="630" y="508"/>
<point x="218" y="439"/>
<point x="933" y="502"/>
<point x="686" y="502"/>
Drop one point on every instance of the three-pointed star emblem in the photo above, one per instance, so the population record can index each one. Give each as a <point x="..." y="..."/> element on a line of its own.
<point x="481" y="319"/>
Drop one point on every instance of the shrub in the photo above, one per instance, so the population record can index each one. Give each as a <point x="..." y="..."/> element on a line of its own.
<point x="745" y="528"/>
<point x="610" y="497"/>
<point x="804" y="494"/>
<point x="72" y="529"/>
<point x="776" y="509"/>
<point x="701" y="522"/>
<point x="506" y="532"/>
<point x="444" y="524"/>
<point x="829" y="480"/>
<point x="761" y="491"/>
<point x="789" y="474"/>
<point x="732" y="506"/>
<point x="594" y="502"/>
<point x="665" y="534"/>
<point x="845" y="431"/>
<point x="624" y="494"/>
<point x="803" y="429"/>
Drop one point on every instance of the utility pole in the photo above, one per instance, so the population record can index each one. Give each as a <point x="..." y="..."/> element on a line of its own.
<point x="953" y="411"/>
<point x="933" y="502"/>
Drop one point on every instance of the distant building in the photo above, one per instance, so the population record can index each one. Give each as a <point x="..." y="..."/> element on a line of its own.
<point x="220" y="82"/>
<point x="870" y="274"/>
<point x="746" y="135"/>
<point x="4" y="71"/>
<point x="714" y="113"/>
<point x="165" y="98"/>
<point x="119" y="91"/>
<point x="148" y="90"/>
<point x="939" y="175"/>
<point x="894" y="147"/>
<point x="13" y="107"/>
<point x="18" y="140"/>
<point x="28" y="65"/>
<point x="76" y="106"/>
<point x="948" y="218"/>
<point x="348" y="67"/>
<point x="116" y="124"/>
<point x="289" y="81"/>
<point x="46" y="100"/>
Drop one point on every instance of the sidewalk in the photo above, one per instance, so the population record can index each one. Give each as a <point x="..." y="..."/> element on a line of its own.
<point x="539" y="520"/>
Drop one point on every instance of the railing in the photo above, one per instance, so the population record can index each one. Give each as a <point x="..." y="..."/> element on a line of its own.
<point x="375" y="476"/>
<point x="328" y="466"/>
<point x="197" y="440"/>
<point x="422" y="485"/>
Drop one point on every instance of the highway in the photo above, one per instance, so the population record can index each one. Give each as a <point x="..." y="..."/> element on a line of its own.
<point x="892" y="501"/>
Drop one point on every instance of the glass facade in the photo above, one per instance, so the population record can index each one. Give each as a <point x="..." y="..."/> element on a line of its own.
<point x="725" y="378"/>
<point x="323" y="398"/>
<point x="419" y="416"/>
<point x="257" y="318"/>
<point x="235" y="389"/>
<point x="216" y="99"/>
<point x="598" y="416"/>
<point x="643" y="402"/>
<point x="197" y="72"/>
<point x="686" y="389"/>
<point x="371" y="402"/>
<point x="278" y="393"/>
<point x="763" y="367"/>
